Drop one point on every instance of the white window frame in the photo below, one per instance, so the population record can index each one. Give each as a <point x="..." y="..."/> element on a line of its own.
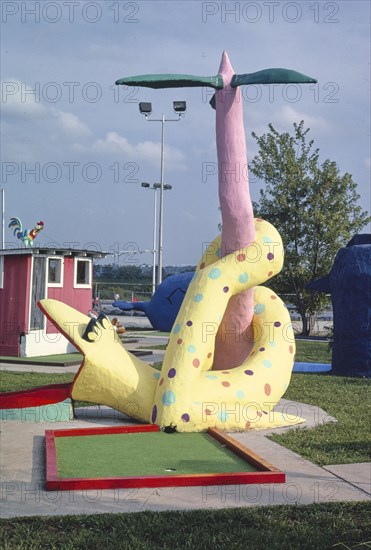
<point x="60" y="284"/>
<point x="83" y="285"/>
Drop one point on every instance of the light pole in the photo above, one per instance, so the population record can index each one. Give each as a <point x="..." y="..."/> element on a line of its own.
<point x="146" y="109"/>
<point x="154" y="187"/>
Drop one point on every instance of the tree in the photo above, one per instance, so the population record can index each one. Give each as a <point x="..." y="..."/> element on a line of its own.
<point x="313" y="207"/>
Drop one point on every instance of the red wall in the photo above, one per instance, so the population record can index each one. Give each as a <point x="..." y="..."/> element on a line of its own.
<point x="14" y="302"/>
<point x="78" y="298"/>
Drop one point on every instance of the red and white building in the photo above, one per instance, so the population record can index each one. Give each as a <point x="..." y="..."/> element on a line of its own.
<point x="28" y="275"/>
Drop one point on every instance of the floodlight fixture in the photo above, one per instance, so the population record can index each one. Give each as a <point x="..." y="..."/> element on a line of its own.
<point x="145" y="108"/>
<point x="179" y="106"/>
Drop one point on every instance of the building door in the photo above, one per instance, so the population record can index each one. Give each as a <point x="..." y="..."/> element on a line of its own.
<point x="37" y="319"/>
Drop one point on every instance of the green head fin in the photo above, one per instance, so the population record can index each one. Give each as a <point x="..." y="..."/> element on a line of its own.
<point x="172" y="81"/>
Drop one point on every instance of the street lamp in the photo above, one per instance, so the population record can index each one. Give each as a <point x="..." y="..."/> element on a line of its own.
<point x="145" y="109"/>
<point x="154" y="187"/>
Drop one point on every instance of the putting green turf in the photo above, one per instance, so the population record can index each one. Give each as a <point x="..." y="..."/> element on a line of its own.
<point x="143" y="454"/>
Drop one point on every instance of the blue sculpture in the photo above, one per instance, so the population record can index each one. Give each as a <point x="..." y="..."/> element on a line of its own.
<point x="349" y="283"/>
<point x="165" y="304"/>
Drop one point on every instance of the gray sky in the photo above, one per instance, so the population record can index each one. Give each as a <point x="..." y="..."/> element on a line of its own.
<point x="75" y="147"/>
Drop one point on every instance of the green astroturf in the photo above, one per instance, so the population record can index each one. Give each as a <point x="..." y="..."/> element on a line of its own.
<point x="120" y="455"/>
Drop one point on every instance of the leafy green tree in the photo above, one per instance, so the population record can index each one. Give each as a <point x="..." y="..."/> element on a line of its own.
<point x="313" y="207"/>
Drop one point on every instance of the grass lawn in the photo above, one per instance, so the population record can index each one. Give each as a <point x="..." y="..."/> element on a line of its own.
<point x="60" y="358"/>
<point x="318" y="526"/>
<point x="307" y="351"/>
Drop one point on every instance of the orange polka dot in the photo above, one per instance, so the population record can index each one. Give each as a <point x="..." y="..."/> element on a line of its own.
<point x="267" y="389"/>
<point x="270" y="274"/>
<point x="258" y="413"/>
<point x="273" y="297"/>
<point x="161" y="382"/>
<point x="209" y="355"/>
<point x="207" y="411"/>
<point x="241" y="257"/>
<point x="202" y="265"/>
<point x="225" y="372"/>
<point x="248" y="424"/>
<point x="291" y="349"/>
<point x="226" y="384"/>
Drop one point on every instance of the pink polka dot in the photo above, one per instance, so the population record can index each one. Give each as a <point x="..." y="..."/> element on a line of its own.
<point x="258" y="413"/>
<point x="207" y="411"/>
<point x="241" y="257"/>
<point x="248" y="424"/>
<point x="273" y="297"/>
<point x="267" y="389"/>
<point x="226" y="384"/>
<point x="196" y="363"/>
<point x="291" y="349"/>
<point x="270" y="273"/>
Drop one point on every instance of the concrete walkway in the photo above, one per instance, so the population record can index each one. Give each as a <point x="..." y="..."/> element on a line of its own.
<point x="22" y="458"/>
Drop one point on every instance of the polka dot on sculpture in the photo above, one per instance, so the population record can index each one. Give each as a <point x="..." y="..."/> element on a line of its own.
<point x="225" y="372"/>
<point x="191" y="348"/>
<point x="248" y="424"/>
<point x="177" y="328"/>
<point x="267" y="389"/>
<point x="277" y="324"/>
<point x="185" y="417"/>
<point x="270" y="256"/>
<point x="225" y="384"/>
<point x="154" y="413"/>
<point x="240" y="394"/>
<point x="168" y="398"/>
<point x="161" y="382"/>
<point x="202" y="265"/>
<point x="259" y="220"/>
<point x="179" y="341"/>
<point x="291" y="349"/>
<point x="267" y="239"/>
<point x="243" y="278"/>
<point x="208" y="412"/>
<point x="222" y="416"/>
<point x="272" y="344"/>
<point x="259" y="308"/>
<point x="249" y="372"/>
<point x="171" y="373"/>
<point x="241" y="257"/>
<point x="211" y="377"/>
<point x="270" y="273"/>
<point x="214" y="273"/>
<point x="198" y="298"/>
<point x="196" y="363"/>
<point x="267" y="363"/>
<point x="259" y="414"/>
<point x="226" y="289"/>
<point x="273" y="297"/>
<point x="156" y="375"/>
<point x="218" y="253"/>
<point x="261" y="349"/>
<point x="209" y="355"/>
<point x="189" y="323"/>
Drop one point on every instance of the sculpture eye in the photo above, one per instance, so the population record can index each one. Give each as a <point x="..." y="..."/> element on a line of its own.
<point x="91" y="327"/>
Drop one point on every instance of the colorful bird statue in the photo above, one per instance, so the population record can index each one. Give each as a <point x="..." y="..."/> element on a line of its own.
<point x="27" y="236"/>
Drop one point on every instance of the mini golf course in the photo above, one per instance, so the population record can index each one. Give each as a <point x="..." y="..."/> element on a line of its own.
<point x="144" y="456"/>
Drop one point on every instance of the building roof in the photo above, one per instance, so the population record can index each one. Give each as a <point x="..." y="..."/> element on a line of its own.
<point x="50" y="251"/>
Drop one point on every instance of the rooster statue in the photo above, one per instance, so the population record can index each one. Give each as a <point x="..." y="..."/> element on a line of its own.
<point x="27" y="236"/>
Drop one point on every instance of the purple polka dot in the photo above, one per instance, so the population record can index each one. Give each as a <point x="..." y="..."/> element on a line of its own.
<point x="277" y="324"/>
<point x="249" y="372"/>
<point x="154" y="413"/>
<point x="226" y="289"/>
<point x="185" y="417"/>
<point x="270" y="256"/>
<point x="171" y="373"/>
<point x="189" y="323"/>
<point x="265" y="412"/>
<point x="261" y="349"/>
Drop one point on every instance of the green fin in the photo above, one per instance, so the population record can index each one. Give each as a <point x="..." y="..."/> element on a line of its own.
<point x="272" y="76"/>
<point x="172" y="81"/>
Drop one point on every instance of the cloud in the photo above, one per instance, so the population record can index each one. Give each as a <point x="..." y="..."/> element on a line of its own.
<point x="149" y="151"/>
<point x="287" y="115"/>
<point x="72" y="124"/>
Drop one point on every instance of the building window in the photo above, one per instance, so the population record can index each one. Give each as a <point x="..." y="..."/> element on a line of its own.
<point x="82" y="273"/>
<point x="55" y="272"/>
